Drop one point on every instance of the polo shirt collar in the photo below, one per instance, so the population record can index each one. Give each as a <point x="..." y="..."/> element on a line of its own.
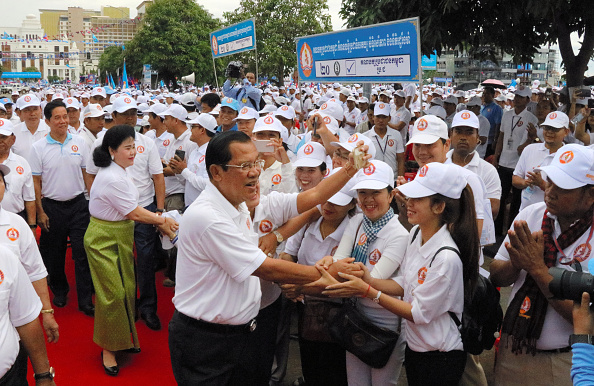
<point x="52" y="141"/>
<point x="224" y="204"/>
<point x="435" y="242"/>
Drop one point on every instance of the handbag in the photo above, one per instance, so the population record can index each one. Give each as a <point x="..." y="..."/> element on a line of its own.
<point x="314" y="321"/>
<point x="354" y="332"/>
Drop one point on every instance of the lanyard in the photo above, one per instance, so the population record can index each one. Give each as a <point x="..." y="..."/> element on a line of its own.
<point x="514" y="126"/>
<point x="582" y="250"/>
<point x="380" y="145"/>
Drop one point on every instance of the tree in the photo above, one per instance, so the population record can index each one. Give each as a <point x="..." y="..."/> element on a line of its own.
<point x="278" y="23"/>
<point x="111" y="60"/>
<point x="31" y="69"/>
<point x="516" y="28"/>
<point x="174" y="39"/>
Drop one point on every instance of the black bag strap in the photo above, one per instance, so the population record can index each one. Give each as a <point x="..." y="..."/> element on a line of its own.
<point x="452" y="315"/>
<point x="415" y="236"/>
<point x="356" y="233"/>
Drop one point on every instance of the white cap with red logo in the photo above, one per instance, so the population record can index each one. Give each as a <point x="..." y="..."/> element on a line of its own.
<point x="378" y="175"/>
<point x="466" y="118"/>
<point x="124" y="103"/>
<point x="428" y="129"/>
<point x="93" y="111"/>
<point x="351" y="143"/>
<point x="287" y="112"/>
<point x="435" y="178"/>
<point x="72" y="103"/>
<point x="268" y="123"/>
<point x="572" y="167"/>
<point x="310" y="155"/>
<point x="28" y="100"/>
<point x="98" y="91"/>
<point x="333" y="109"/>
<point x="382" y="109"/>
<point x="557" y="119"/>
<point x="247" y="113"/>
<point x="6" y="127"/>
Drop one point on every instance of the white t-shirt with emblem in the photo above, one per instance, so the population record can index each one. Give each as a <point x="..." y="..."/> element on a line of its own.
<point x="195" y="174"/>
<point x="175" y="184"/>
<point x="20" y="184"/>
<point x="162" y="142"/>
<point x="388" y="147"/>
<point x="401" y="114"/>
<point x="278" y="178"/>
<point x="24" y="139"/>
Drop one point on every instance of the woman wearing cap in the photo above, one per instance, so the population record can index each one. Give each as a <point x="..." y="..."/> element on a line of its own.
<point x="310" y="165"/>
<point x="109" y="244"/>
<point x="584" y="130"/>
<point x="378" y="241"/>
<point x="432" y="280"/>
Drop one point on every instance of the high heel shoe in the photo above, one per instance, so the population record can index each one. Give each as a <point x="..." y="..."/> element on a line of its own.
<point x="111" y="370"/>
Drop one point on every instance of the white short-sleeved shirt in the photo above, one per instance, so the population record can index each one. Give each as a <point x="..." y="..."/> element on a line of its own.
<point x="556" y="330"/>
<point x="273" y="211"/>
<point x="533" y="156"/>
<point x="89" y="137"/>
<point x="432" y="291"/>
<point x="24" y="139"/>
<point x="19" y="305"/>
<point x="384" y="260"/>
<point x="401" y="115"/>
<point x="217" y="253"/>
<point x="162" y="142"/>
<point x="113" y="195"/>
<point x="485" y="171"/>
<point x="173" y="184"/>
<point x="195" y="174"/>
<point x="515" y="131"/>
<point x="20" y="184"/>
<point x="278" y="178"/>
<point x="388" y="147"/>
<point x="362" y="118"/>
<point x="353" y="117"/>
<point x="146" y="164"/>
<point x="16" y="235"/>
<point x="60" y="166"/>
<point x="484" y="127"/>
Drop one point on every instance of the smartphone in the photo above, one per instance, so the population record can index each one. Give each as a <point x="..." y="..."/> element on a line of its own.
<point x="585" y="93"/>
<point x="591" y="104"/>
<point x="181" y="154"/>
<point x="262" y="146"/>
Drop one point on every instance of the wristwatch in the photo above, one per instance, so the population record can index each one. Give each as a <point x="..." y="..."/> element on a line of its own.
<point x="279" y="237"/>
<point x="47" y="375"/>
<point x="580" y="338"/>
<point x="376" y="299"/>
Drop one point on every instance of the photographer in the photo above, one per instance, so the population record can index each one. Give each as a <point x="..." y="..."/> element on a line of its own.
<point x="582" y="369"/>
<point x="246" y="93"/>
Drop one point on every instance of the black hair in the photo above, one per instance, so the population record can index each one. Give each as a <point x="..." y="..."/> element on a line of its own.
<point x="111" y="140"/>
<point x="219" y="148"/>
<point x="189" y="109"/>
<point x="460" y="217"/>
<point x="153" y="115"/>
<point x="209" y="133"/>
<point x="211" y="99"/>
<point x="393" y="202"/>
<point x="371" y="107"/>
<point x="49" y="108"/>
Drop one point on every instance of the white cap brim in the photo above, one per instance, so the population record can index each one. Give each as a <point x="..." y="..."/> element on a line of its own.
<point x="6" y="132"/>
<point x="370" y="184"/>
<point x="307" y="163"/>
<point x="414" y="189"/>
<point x="340" y="199"/>
<point x="424" y="139"/>
<point x="560" y="178"/>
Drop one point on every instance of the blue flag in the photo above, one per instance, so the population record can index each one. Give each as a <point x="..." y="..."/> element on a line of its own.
<point x="95" y="40"/>
<point x="124" y="76"/>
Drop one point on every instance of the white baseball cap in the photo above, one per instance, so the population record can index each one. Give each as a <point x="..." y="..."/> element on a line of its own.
<point x="346" y="92"/>
<point x="123" y="103"/>
<point x="188" y="99"/>
<point x="351" y="99"/>
<point x="438" y="111"/>
<point x="93" y="110"/>
<point x="438" y="91"/>
<point x="465" y="118"/>
<point x="310" y="155"/>
<point x="476" y="101"/>
<point x="28" y="100"/>
<point x="57" y="96"/>
<point x="268" y="123"/>
<point x="363" y="100"/>
<point x="400" y="93"/>
<point x="451" y="99"/>
<point x="333" y="109"/>
<point x="428" y="129"/>
<point x="6" y="128"/>
<point x="98" y="91"/>
<point x="351" y="143"/>
<point x="435" y="178"/>
<point x="176" y="111"/>
<point x="437" y="101"/>
<point x="205" y="120"/>
<point x="331" y="123"/>
<point x="378" y="175"/>
<point x="572" y="167"/>
<point x="557" y="119"/>
<point x="246" y="113"/>
<point x="459" y="94"/>
<point x="72" y="102"/>
<point x="345" y="195"/>
<point x="267" y="109"/>
<point x="157" y="108"/>
<point x="382" y="108"/>
<point x="287" y="112"/>
<point x="523" y="92"/>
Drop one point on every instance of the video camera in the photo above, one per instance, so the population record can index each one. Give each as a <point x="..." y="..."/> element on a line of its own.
<point x="570" y="284"/>
<point x="233" y="69"/>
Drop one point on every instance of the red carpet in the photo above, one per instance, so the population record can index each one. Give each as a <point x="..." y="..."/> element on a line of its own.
<point x="76" y="358"/>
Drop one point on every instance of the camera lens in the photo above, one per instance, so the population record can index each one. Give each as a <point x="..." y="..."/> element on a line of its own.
<point x="569" y="284"/>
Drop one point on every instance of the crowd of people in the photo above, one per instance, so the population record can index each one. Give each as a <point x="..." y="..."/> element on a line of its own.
<point x="261" y="202"/>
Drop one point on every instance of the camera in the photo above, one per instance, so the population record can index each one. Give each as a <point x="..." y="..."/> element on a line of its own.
<point x="233" y="69"/>
<point x="570" y="284"/>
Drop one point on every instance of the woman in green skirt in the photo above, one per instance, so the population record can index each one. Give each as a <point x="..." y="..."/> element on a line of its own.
<point x="109" y="244"/>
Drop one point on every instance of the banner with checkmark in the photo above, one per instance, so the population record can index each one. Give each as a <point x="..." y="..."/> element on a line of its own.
<point x="387" y="52"/>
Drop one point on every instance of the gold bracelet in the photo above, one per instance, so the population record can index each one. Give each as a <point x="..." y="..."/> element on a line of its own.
<point x="50" y="311"/>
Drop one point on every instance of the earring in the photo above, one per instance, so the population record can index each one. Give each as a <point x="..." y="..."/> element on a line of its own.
<point x="112" y="157"/>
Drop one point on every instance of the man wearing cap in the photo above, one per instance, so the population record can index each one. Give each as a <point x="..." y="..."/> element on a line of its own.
<point x="3" y="113"/>
<point x="84" y="99"/>
<point x="32" y="128"/>
<point x="388" y="142"/>
<point x="530" y="182"/>
<point x="158" y="132"/>
<point x="58" y="165"/>
<point x="14" y="96"/>
<point x="246" y="94"/>
<point x="493" y="112"/>
<point x="98" y="96"/>
<point x="203" y="129"/>
<point x="351" y="115"/>
<point x="227" y="115"/>
<point x="514" y="132"/>
<point x="188" y="101"/>
<point x="73" y="108"/>
<point x="246" y="120"/>
<point x="286" y="115"/>
<point x="400" y="118"/>
<point x="537" y="327"/>
<point x="449" y="104"/>
<point x="474" y="106"/>
<point x="94" y="120"/>
<point x="363" y="105"/>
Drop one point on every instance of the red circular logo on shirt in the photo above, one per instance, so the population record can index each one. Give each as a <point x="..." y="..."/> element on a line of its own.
<point x="268" y="120"/>
<point x="423" y="171"/>
<point x="180" y="148"/>
<point x="265" y="226"/>
<point x="127" y="100"/>
<point x="140" y="149"/>
<point x="74" y="148"/>
<point x="276" y="179"/>
<point x="582" y="252"/>
<point x="20" y="170"/>
<point x="12" y="234"/>
<point x="422" y="274"/>
<point x="374" y="256"/>
<point x="201" y="159"/>
<point x="353" y="138"/>
<point x="465" y="115"/>
<point x="566" y="157"/>
<point x="308" y="149"/>
<point x="166" y="142"/>
<point x="520" y="123"/>
<point x="422" y="125"/>
<point x="244" y="110"/>
<point x="362" y="239"/>
<point x="1" y="277"/>
<point x="27" y="98"/>
<point x="369" y="170"/>
<point x="526" y="304"/>
<point x="390" y="142"/>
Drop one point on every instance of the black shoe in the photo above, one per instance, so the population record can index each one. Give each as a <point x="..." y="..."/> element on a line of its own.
<point x="111" y="370"/>
<point x="152" y="321"/>
<point x="60" y="300"/>
<point x="88" y="310"/>
<point x="133" y="350"/>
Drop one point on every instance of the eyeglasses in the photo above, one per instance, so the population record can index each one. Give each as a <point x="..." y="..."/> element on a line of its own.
<point x="551" y="128"/>
<point x="247" y="166"/>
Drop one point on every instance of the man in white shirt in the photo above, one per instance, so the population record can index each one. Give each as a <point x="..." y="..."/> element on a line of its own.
<point x="58" y="165"/>
<point x="400" y="118"/>
<point x="158" y="132"/>
<point x="535" y="320"/>
<point x="73" y="108"/>
<point x="388" y="142"/>
<point x="94" y="120"/>
<point x="351" y="115"/>
<point x="32" y="128"/>
<point x="474" y="105"/>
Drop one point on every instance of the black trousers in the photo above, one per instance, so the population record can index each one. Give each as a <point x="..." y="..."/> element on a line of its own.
<point x="505" y="175"/>
<point x="67" y="219"/>
<point x="200" y="356"/>
<point x="434" y="367"/>
<point x="17" y="374"/>
<point x="145" y="238"/>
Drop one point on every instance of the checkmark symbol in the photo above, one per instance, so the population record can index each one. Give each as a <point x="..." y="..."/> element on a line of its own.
<point x="351" y="67"/>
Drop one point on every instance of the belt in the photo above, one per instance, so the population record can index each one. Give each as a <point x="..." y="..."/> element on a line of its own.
<point x="75" y="199"/>
<point x="219" y="328"/>
<point x="555" y="350"/>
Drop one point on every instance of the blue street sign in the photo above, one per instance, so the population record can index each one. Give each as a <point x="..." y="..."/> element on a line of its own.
<point x="233" y="39"/>
<point x="387" y="52"/>
<point x="429" y="62"/>
<point x="28" y="75"/>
